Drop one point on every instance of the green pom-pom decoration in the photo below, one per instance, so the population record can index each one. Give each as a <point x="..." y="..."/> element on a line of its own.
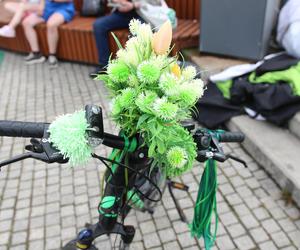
<point x="148" y="72"/>
<point x="68" y="135"/>
<point x="145" y="100"/>
<point x="165" y="110"/>
<point x="118" y="71"/>
<point x="177" y="157"/>
<point x="127" y="97"/>
<point x="168" y="84"/>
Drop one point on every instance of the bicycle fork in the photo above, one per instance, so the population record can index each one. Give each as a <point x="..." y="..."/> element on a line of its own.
<point x="112" y="203"/>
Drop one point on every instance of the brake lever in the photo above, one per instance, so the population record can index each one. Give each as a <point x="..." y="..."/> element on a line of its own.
<point x="237" y="159"/>
<point x="40" y="150"/>
<point x="15" y="159"/>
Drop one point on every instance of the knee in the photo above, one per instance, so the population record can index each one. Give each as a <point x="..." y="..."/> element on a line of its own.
<point x="26" y="23"/>
<point x="99" y="26"/>
<point x="52" y="26"/>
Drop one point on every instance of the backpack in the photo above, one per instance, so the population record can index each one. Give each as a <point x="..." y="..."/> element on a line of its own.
<point x="92" y="8"/>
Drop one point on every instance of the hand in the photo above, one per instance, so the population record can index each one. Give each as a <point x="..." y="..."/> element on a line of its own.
<point x="126" y="6"/>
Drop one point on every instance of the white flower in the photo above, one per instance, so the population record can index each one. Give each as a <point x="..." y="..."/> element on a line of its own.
<point x="198" y="86"/>
<point x="134" y="26"/>
<point x="189" y="72"/>
<point x="160" y="61"/>
<point x="145" y="33"/>
<point x="121" y="54"/>
<point x="128" y="56"/>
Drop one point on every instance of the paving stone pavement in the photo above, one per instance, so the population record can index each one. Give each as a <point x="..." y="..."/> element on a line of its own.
<point x="43" y="206"/>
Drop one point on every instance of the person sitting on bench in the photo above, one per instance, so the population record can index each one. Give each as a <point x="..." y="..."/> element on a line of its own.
<point x="21" y="10"/>
<point x="123" y="12"/>
<point x="56" y="12"/>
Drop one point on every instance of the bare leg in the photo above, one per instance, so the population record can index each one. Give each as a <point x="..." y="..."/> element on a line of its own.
<point x="52" y="31"/>
<point x="30" y="33"/>
<point x="11" y="6"/>
<point x="19" y="13"/>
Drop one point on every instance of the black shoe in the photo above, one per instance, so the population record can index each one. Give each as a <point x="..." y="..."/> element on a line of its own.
<point x="34" y="58"/>
<point x="99" y="70"/>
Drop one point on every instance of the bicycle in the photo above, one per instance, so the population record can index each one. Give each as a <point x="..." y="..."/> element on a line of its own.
<point x="133" y="184"/>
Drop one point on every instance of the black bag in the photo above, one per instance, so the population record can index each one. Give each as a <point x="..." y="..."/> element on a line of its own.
<point x="92" y="8"/>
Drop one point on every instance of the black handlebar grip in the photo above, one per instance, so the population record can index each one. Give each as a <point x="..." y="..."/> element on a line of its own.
<point x="22" y="129"/>
<point x="232" y="137"/>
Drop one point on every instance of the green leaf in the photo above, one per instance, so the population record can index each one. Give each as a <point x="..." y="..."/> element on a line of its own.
<point x="102" y="77"/>
<point x="151" y="149"/>
<point x="160" y="146"/>
<point x="143" y="118"/>
<point x="117" y="40"/>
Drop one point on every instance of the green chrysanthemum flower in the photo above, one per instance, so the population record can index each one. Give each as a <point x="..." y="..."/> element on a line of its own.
<point x="189" y="72"/>
<point x="189" y="93"/>
<point x="164" y="109"/>
<point x="127" y="97"/>
<point x="145" y="100"/>
<point x="187" y="97"/>
<point x="118" y="71"/>
<point x="168" y="84"/>
<point x="177" y="157"/>
<point x="133" y="81"/>
<point x="148" y="72"/>
<point x="68" y="134"/>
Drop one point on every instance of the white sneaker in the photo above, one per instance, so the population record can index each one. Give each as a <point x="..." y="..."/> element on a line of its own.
<point x="7" y="31"/>
<point x="53" y="62"/>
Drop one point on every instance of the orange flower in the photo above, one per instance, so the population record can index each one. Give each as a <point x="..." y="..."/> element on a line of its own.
<point x="162" y="39"/>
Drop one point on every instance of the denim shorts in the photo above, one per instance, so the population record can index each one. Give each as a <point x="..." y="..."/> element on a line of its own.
<point x="66" y="9"/>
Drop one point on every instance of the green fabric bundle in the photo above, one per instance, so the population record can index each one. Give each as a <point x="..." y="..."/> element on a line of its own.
<point x="290" y="76"/>
<point x="206" y="206"/>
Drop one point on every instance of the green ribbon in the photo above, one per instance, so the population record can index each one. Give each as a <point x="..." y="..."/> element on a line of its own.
<point x="206" y="206"/>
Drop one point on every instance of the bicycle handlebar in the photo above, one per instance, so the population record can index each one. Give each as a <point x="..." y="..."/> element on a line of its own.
<point x="37" y="130"/>
<point x="231" y="137"/>
<point x="23" y="129"/>
<point x="207" y="141"/>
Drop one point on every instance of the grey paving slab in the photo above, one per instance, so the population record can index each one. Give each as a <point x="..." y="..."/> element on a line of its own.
<point x="294" y="125"/>
<point x="43" y="206"/>
<point x="277" y="149"/>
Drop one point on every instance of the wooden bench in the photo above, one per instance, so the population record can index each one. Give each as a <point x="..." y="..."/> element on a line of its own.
<point x="77" y="40"/>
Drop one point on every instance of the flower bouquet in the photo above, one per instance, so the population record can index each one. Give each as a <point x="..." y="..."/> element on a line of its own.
<point x="151" y="95"/>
